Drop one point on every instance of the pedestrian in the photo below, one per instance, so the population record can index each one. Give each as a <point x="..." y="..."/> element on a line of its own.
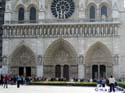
<point x="6" y="79"/>
<point x="18" y="81"/>
<point x="103" y="82"/>
<point x="112" y="84"/>
<point x="1" y="79"/>
<point x="99" y="82"/>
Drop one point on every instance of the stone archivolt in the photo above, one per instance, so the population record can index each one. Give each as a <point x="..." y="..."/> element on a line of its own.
<point x="23" y="57"/>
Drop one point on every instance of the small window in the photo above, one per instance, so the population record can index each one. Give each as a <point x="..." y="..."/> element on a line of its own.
<point x="104" y="11"/>
<point x="21" y="15"/>
<point x="92" y="13"/>
<point x="32" y="15"/>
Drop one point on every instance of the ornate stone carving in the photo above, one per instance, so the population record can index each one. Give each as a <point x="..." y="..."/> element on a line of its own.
<point x="23" y="56"/>
<point x="61" y="57"/>
<point x="81" y="7"/>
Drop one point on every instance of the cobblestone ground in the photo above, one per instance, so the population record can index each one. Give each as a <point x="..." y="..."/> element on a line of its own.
<point x="49" y="89"/>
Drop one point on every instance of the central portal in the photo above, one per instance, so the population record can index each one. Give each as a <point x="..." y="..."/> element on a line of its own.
<point x="25" y="71"/>
<point x="60" y="61"/>
<point x="98" y="71"/>
<point x="62" y="71"/>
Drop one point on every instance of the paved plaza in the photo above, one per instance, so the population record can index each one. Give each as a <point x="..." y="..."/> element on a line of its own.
<point x="49" y="89"/>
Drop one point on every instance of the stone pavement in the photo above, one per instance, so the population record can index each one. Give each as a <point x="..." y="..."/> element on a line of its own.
<point x="49" y="89"/>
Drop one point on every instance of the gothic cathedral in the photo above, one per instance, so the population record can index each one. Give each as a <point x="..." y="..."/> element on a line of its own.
<point x="81" y="39"/>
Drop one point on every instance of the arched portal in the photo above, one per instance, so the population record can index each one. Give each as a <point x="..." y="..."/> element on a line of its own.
<point x="98" y="62"/>
<point x="60" y="55"/>
<point x="23" y="62"/>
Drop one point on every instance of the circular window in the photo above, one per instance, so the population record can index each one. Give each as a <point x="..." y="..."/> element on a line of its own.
<point x="62" y="9"/>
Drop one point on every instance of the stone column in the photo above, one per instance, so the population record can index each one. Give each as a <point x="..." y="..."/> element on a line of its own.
<point x="97" y="15"/>
<point x="39" y="66"/>
<point x="81" y="71"/>
<point x="62" y="71"/>
<point x="27" y="16"/>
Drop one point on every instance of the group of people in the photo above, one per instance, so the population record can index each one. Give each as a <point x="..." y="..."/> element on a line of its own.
<point x="111" y="82"/>
<point x="7" y="79"/>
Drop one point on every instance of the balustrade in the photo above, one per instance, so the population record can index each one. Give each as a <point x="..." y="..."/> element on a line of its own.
<point x="64" y="30"/>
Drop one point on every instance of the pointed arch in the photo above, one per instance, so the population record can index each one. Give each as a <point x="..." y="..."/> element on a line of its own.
<point x="58" y="44"/>
<point x="60" y="52"/>
<point x="98" y="61"/>
<point x="98" y="52"/>
<point x="32" y="5"/>
<point x="32" y="15"/>
<point x="105" y="9"/>
<point x="22" y="62"/>
<point x="19" y="6"/>
<point x="91" y="10"/>
<point x="33" y="10"/>
<point x="21" y="14"/>
<point x="23" y="55"/>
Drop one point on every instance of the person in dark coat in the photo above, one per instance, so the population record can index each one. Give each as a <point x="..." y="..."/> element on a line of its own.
<point x="1" y="79"/>
<point x="18" y="81"/>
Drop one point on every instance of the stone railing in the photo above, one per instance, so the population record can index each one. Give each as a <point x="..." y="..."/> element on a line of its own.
<point x="61" y="30"/>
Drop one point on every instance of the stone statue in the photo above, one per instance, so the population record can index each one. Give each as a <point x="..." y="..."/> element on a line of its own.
<point x="40" y="60"/>
<point x="81" y="59"/>
<point x="103" y="18"/>
<point x="5" y="60"/>
<point x="116" y="59"/>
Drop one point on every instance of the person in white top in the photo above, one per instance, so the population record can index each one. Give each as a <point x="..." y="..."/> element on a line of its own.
<point x="112" y="84"/>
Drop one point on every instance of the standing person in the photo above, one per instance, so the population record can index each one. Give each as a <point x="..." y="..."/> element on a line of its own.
<point x="99" y="82"/>
<point x="103" y="82"/>
<point x="2" y="79"/>
<point x="112" y="84"/>
<point x="18" y="81"/>
<point x="6" y="79"/>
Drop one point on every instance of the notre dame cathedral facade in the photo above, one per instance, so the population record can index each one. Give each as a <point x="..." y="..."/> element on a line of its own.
<point x="64" y="38"/>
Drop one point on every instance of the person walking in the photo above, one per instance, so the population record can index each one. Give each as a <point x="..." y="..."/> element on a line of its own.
<point x="112" y="84"/>
<point x="18" y="81"/>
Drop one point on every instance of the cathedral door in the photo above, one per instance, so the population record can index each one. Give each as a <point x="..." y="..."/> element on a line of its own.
<point x="95" y="71"/>
<point x="98" y="71"/>
<point x="66" y="72"/>
<point x="58" y="71"/>
<point x="28" y="71"/>
<point x="102" y="71"/>
<point x="21" y="71"/>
